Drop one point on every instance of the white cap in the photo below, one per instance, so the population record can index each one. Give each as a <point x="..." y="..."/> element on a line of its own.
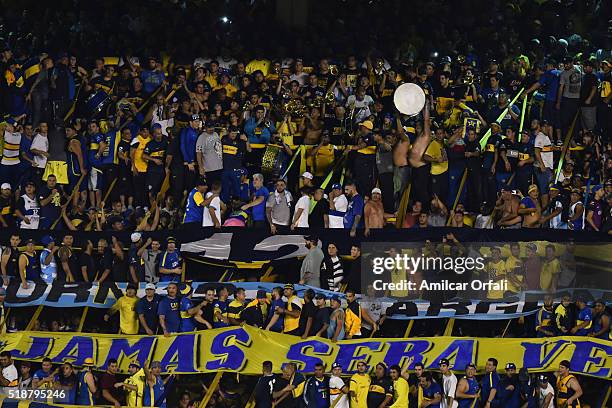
<point x="376" y="190"/>
<point x="307" y="175"/>
<point x="5" y="186"/>
<point x="199" y="62"/>
<point x="150" y="286"/>
<point x="135" y="237"/>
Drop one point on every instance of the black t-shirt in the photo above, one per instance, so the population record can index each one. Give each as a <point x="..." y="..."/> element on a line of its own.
<point x="233" y="152"/>
<point x="7" y="206"/>
<point x="308" y="310"/>
<point x="124" y="147"/>
<point x="156" y="149"/>
<point x="279" y="384"/>
<point x="208" y="313"/>
<point x="511" y="149"/>
<point x="352" y="76"/>
<point x="473" y="163"/>
<point x="174" y="150"/>
<point x="316" y="218"/>
<point x="336" y="130"/>
<point x="119" y="270"/>
<point x="379" y="388"/>
<point x="53" y="208"/>
<point x="321" y="317"/>
<point x="263" y="391"/>
<point x="89" y="263"/>
<point x="104" y="261"/>
<point x="588" y="82"/>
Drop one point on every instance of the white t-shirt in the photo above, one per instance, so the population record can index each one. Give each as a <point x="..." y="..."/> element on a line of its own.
<point x="215" y="204"/>
<point x="449" y="388"/>
<point x="304" y="203"/>
<point x="541" y="141"/>
<point x="341" y="205"/>
<point x="40" y="142"/>
<point x="336" y="383"/>
<point x="544" y="392"/>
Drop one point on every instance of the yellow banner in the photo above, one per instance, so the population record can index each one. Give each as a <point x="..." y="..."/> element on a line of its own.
<point x="244" y="349"/>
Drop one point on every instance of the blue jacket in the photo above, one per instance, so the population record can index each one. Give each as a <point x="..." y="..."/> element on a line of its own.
<point x="258" y="134"/>
<point x="189" y="137"/>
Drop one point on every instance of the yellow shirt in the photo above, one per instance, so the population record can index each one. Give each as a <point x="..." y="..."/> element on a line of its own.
<point x="513" y="266"/>
<point x="435" y="150"/>
<point x="139" y="163"/>
<point x="397" y="276"/>
<point x="360" y="384"/>
<point x="400" y="393"/>
<point x="134" y="398"/>
<point x="549" y="269"/>
<point x="323" y="160"/>
<point x="230" y="89"/>
<point x="286" y="131"/>
<point x="258" y="65"/>
<point x="212" y="80"/>
<point x="497" y="272"/>
<point x="128" y="319"/>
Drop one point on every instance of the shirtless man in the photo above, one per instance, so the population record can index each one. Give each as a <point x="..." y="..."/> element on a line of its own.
<point x="508" y="203"/>
<point x="422" y="141"/>
<point x="311" y="127"/>
<point x="530" y="208"/>
<point x="401" y="169"/>
<point x="374" y="213"/>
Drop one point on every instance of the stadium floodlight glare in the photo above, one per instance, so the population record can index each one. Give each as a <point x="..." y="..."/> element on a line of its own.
<point x="226" y="20"/>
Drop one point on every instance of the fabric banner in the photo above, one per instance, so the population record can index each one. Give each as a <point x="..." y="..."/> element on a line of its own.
<point x="104" y="296"/>
<point x="244" y="349"/>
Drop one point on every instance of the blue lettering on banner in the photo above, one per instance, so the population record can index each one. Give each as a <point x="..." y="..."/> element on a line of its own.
<point x="460" y="353"/>
<point x="180" y="354"/>
<point x="297" y="354"/>
<point x="590" y="357"/>
<point x="346" y="354"/>
<point x="77" y="350"/>
<point x="38" y="349"/>
<point x="537" y="356"/>
<point x="140" y="350"/>
<point x="232" y="356"/>
<point x="401" y="350"/>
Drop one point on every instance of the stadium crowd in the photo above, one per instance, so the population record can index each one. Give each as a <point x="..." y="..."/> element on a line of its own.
<point x="103" y="130"/>
<point x="101" y="143"/>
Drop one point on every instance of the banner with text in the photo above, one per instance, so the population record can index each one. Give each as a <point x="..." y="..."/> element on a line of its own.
<point x="244" y="349"/>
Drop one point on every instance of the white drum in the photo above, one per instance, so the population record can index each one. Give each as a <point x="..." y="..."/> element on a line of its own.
<point x="409" y="99"/>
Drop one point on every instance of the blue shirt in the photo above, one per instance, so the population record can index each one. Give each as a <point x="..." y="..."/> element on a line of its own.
<point x="550" y="82"/>
<point x="489" y="382"/>
<point x="189" y="137"/>
<point x="24" y="147"/>
<point x="278" y="326"/>
<point x="48" y="273"/>
<point x="41" y="374"/>
<point x="509" y="398"/>
<point x="94" y="145"/>
<point x="472" y="390"/>
<point x="169" y="308"/>
<point x="258" y="134"/>
<point x="194" y="210"/>
<point x="85" y="397"/>
<point x="153" y="394"/>
<point x="149" y="311"/>
<point x="170" y="260"/>
<point x="221" y="307"/>
<point x="431" y="391"/>
<point x="354" y="209"/>
<point x="187" y="322"/>
<point x="585" y="315"/>
<point x="259" y="211"/>
<point x="70" y="393"/>
<point x="317" y="392"/>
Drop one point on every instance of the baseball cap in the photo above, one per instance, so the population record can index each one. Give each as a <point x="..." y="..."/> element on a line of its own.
<point x="443" y="361"/>
<point x="311" y="238"/>
<point x="367" y="124"/>
<point x="30" y="241"/>
<point x="376" y="190"/>
<point x="11" y="121"/>
<point x="532" y="187"/>
<point x="184" y="288"/>
<point x="156" y="126"/>
<point x="156" y="364"/>
<point x="336" y="298"/>
<point x="135" y="237"/>
<point x="336" y="365"/>
<point x="261" y="294"/>
<point x="336" y="186"/>
<point x="30" y="183"/>
<point x="47" y="239"/>
<point x="195" y="116"/>
<point x="233" y="129"/>
<point x="88" y="361"/>
<point x="307" y="175"/>
<point x="510" y="366"/>
<point x="596" y="188"/>
<point x="5" y="186"/>
<point x="471" y="365"/>
<point x="150" y="285"/>
<point x="289" y="286"/>
<point x="543" y="378"/>
<point x="135" y="363"/>
<point x="170" y="240"/>
<point x="320" y="296"/>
